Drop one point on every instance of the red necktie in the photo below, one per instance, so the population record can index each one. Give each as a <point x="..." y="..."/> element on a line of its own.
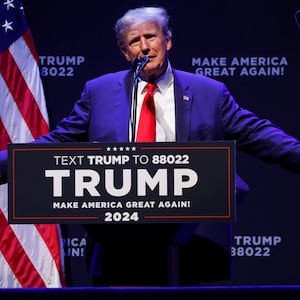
<point x="147" y="124"/>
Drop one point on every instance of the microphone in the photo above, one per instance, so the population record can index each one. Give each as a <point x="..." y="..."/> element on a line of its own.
<point x="140" y="64"/>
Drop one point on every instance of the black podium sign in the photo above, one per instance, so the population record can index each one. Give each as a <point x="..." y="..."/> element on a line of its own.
<point x="122" y="182"/>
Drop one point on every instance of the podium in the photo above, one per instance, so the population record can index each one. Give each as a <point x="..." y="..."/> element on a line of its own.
<point x="130" y="190"/>
<point x="122" y="183"/>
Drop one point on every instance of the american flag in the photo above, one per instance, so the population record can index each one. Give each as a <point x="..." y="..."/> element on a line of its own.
<point x="30" y="255"/>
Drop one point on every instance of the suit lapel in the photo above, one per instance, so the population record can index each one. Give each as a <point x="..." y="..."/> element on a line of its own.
<point x="183" y="103"/>
<point x="122" y="100"/>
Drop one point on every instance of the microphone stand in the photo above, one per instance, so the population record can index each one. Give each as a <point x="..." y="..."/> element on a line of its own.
<point x="133" y="108"/>
<point x="140" y="64"/>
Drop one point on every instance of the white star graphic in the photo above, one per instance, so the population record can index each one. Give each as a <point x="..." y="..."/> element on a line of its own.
<point x="7" y="25"/>
<point x="9" y="3"/>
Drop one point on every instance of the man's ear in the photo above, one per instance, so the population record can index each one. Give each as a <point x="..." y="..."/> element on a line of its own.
<point x="126" y="55"/>
<point x="169" y="43"/>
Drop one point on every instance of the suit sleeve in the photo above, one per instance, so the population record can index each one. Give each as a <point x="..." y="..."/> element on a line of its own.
<point x="73" y="128"/>
<point x="258" y="137"/>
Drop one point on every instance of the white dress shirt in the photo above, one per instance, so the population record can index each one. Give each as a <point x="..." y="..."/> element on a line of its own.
<point x="164" y="106"/>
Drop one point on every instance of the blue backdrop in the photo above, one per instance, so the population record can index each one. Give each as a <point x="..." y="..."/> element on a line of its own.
<point x="251" y="46"/>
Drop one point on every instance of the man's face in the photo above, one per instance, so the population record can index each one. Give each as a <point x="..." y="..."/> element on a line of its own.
<point x="148" y="39"/>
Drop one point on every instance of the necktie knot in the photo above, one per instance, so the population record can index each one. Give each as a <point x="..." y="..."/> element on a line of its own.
<point x="151" y="87"/>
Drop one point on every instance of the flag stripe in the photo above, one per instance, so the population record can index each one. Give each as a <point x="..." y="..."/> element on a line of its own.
<point x="52" y="237"/>
<point x="8" y="275"/>
<point x="36" y="245"/>
<point x="27" y="36"/>
<point x="34" y="239"/>
<point x="30" y="70"/>
<point x="5" y="139"/>
<point x="21" y="94"/>
<point x="11" y="117"/>
<point x="12" y="249"/>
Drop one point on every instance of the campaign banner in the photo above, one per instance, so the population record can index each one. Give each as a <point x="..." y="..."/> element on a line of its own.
<point x="122" y="182"/>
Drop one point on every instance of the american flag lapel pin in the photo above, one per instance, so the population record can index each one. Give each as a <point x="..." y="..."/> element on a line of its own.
<point x="186" y="98"/>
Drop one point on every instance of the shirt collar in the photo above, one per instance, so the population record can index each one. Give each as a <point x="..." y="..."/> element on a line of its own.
<point x="163" y="82"/>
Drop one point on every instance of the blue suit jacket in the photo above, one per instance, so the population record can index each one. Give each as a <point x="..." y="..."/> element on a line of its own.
<point x="204" y="110"/>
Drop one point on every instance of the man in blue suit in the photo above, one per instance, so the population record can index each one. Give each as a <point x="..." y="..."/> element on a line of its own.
<point x="188" y="107"/>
